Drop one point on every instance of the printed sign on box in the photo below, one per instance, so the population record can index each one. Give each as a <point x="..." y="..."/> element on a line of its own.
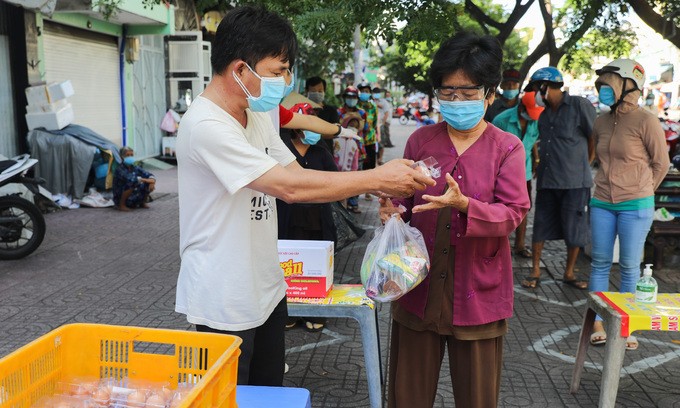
<point x="307" y="267"/>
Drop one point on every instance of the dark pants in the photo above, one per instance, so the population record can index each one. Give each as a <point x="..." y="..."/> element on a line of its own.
<point x="369" y="161"/>
<point x="262" y="351"/>
<point x="415" y="363"/>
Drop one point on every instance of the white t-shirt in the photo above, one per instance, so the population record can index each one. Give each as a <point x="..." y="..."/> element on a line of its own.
<point x="230" y="278"/>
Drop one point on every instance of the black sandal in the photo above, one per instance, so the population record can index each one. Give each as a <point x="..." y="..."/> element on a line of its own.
<point x="524" y="253"/>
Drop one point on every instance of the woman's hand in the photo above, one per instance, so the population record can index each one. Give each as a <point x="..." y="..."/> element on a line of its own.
<point x="387" y="209"/>
<point x="452" y="197"/>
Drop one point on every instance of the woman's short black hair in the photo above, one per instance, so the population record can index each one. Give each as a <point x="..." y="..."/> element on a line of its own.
<point x="479" y="57"/>
<point x="252" y="34"/>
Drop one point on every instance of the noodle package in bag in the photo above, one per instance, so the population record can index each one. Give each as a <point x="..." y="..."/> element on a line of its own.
<point x="395" y="262"/>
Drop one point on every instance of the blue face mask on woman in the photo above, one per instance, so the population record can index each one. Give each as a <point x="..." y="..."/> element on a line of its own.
<point x="510" y="93"/>
<point x="272" y="91"/>
<point x="310" y="138"/>
<point x="364" y="96"/>
<point x="129" y="160"/>
<point x="607" y="95"/>
<point x="351" y="102"/>
<point x="462" y="115"/>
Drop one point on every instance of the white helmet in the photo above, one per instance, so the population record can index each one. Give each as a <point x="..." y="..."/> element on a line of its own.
<point x="626" y="68"/>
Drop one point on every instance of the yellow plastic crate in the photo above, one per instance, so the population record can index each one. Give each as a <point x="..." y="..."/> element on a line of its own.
<point x="104" y="351"/>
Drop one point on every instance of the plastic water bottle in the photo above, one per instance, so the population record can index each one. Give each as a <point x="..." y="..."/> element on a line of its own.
<point x="646" y="288"/>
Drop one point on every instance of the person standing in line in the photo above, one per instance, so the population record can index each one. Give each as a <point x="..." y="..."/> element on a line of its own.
<point x="307" y="221"/>
<point x="563" y="178"/>
<point x="631" y="149"/>
<point x="464" y="303"/>
<point x="372" y="135"/>
<point x="315" y="89"/>
<point x="349" y="109"/>
<point x="232" y="163"/>
<point x="387" y="110"/>
<point x="509" y="94"/>
<point x="521" y="121"/>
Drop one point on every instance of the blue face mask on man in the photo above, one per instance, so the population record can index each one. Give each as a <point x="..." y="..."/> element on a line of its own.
<point x="364" y="96"/>
<point x="510" y="93"/>
<point x="377" y="95"/>
<point x="607" y="96"/>
<point x="272" y="91"/>
<point x="310" y="138"/>
<point x="462" y="115"/>
<point x="130" y="161"/>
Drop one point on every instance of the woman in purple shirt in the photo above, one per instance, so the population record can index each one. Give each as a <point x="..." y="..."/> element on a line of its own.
<point x="466" y="218"/>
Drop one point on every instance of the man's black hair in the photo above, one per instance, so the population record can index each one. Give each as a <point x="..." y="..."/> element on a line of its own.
<point x="252" y="34"/>
<point x="313" y="81"/>
<point x="479" y="57"/>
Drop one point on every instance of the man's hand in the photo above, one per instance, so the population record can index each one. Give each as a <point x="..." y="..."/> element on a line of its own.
<point x="398" y="179"/>
<point x="452" y="197"/>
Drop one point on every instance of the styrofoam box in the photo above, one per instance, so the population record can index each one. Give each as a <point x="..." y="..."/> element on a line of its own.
<point x="49" y="107"/>
<point x="307" y="267"/>
<point x="51" y="120"/>
<point x="50" y="93"/>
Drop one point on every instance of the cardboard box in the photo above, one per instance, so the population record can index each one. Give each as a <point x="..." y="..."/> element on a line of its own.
<point x="50" y="93"/>
<point x="307" y="267"/>
<point x="51" y="120"/>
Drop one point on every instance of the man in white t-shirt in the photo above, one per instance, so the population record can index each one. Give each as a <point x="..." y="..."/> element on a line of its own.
<point x="231" y="167"/>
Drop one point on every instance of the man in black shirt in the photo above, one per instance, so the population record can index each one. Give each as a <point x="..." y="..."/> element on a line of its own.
<point x="315" y="88"/>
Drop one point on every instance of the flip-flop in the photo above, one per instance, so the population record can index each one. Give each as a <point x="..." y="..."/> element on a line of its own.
<point x="524" y="253"/>
<point x="527" y="282"/>
<point x="574" y="283"/>
<point x="598" y="338"/>
<point x="313" y="327"/>
<point x="632" y="343"/>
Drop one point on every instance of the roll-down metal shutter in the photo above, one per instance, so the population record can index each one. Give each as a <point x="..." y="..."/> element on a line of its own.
<point x="8" y="137"/>
<point x="90" y="61"/>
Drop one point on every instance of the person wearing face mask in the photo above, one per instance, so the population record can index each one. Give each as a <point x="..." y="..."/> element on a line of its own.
<point x="372" y="135"/>
<point x="231" y="166"/>
<point x="131" y="184"/>
<point x="307" y="221"/>
<point x="521" y="121"/>
<point x="631" y="149"/>
<point x="315" y="89"/>
<point x="464" y="303"/>
<point x="350" y="97"/>
<point x="563" y="177"/>
<point x="508" y="97"/>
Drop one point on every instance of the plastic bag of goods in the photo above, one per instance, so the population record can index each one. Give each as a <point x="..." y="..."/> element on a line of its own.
<point x="395" y="262"/>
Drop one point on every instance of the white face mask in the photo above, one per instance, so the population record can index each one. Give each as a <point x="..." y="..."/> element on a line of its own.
<point x="539" y="100"/>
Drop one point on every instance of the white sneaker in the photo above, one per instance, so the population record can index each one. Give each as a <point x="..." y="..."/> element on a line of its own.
<point x="285" y="368"/>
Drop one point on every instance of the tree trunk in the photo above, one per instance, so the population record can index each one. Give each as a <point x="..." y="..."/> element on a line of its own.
<point x="663" y="26"/>
<point x="357" y="55"/>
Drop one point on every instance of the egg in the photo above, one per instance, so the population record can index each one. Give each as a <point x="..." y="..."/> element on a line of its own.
<point x="137" y="399"/>
<point x="102" y="396"/>
<point x="168" y="393"/>
<point x="155" y="400"/>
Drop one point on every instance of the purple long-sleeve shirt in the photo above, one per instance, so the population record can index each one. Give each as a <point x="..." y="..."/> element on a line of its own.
<point x="491" y="174"/>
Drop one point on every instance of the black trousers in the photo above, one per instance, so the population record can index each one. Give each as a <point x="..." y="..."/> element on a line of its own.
<point x="263" y="349"/>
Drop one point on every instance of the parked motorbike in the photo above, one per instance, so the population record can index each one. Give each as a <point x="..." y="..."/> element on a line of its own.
<point x="22" y="225"/>
<point x="418" y="115"/>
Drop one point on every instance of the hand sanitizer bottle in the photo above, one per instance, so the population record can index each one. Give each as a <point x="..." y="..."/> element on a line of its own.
<point x="646" y="288"/>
